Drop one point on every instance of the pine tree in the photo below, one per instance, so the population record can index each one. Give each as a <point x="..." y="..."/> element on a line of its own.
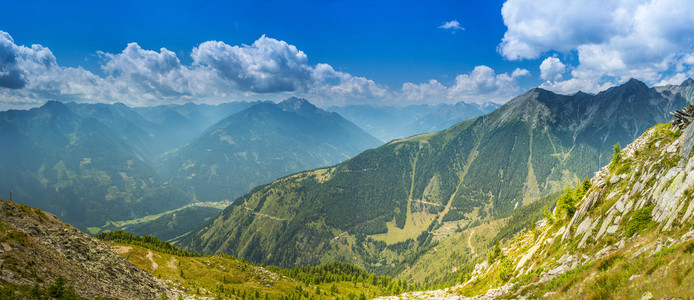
<point x="616" y="155"/>
<point x="496" y="252"/>
<point x="566" y="205"/>
<point x="586" y="184"/>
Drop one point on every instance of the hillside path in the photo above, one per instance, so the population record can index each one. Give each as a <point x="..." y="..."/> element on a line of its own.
<point x="344" y="233"/>
<point x="150" y="256"/>
<point x="425" y="202"/>
<point x="469" y="242"/>
<point x="264" y="215"/>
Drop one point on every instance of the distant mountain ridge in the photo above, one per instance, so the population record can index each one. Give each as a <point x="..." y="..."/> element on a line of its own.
<point x="448" y="115"/>
<point x="394" y="122"/>
<point x="479" y="169"/>
<point x="261" y="143"/>
<point x="78" y="168"/>
<point x="94" y="163"/>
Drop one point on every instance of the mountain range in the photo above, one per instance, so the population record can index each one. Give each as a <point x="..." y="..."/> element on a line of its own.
<point x="94" y="163"/>
<point x="384" y="205"/>
<point x="78" y="168"/>
<point x="259" y="144"/>
<point x="456" y="208"/>
<point x="395" y="122"/>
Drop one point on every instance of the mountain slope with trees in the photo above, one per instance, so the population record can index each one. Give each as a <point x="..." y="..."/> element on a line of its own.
<point x="94" y="163"/>
<point x="382" y="205"/>
<point x="259" y="144"/>
<point x="78" y="168"/>
<point x="626" y="232"/>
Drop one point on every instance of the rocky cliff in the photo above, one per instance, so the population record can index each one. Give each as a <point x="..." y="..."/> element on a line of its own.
<point x="36" y="249"/>
<point x="631" y="234"/>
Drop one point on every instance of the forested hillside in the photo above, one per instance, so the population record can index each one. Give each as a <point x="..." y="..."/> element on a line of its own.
<point x="382" y="205"/>
<point x="78" y="168"/>
<point x="94" y="163"/>
<point x="260" y="144"/>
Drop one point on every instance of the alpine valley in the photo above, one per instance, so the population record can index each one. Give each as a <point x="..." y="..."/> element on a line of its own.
<point x="388" y="208"/>
<point x="93" y="164"/>
<point x="347" y="150"/>
<point x="456" y="210"/>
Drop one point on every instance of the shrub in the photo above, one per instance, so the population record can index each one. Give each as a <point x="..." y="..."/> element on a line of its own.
<point x="505" y="269"/>
<point x="59" y="290"/>
<point x="608" y="262"/>
<point x="689" y="248"/>
<point x="639" y="220"/>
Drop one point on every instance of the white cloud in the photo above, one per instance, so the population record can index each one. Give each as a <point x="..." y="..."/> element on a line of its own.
<point x="31" y="75"/>
<point x="518" y="72"/>
<point x="552" y="69"/>
<point x="481" y="85"/>
<point x="266" y="66"/>
<point x="535" y="27"/>
<point x="573" y="85"/>
<point x="613" y="40"/>
<point x="340" y="87"/>
<point x="266" y="69"/>
<point x="151" y="74"/>
<point x="452" y="25"/>
<point x="10" y="74"/>
<point x="432" y="91"/>
<point x="676" y="79"/>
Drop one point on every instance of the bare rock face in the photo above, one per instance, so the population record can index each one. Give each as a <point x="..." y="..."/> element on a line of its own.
<point x="37" y="248"/>
<point x="687" y="144"/>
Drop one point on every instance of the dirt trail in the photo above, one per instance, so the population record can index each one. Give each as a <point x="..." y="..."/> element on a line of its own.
<point x="172" y="264"/>
<point x="264" y="215"/>
<point x="344" y="233"/>
<point x="469" y="242"/>
<point x="150" y="256"/>
<point x="121" y="249"/>
<point x="426" y="202"/>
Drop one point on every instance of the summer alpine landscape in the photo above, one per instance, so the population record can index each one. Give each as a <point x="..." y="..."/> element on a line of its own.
<point x="505" y="149"/>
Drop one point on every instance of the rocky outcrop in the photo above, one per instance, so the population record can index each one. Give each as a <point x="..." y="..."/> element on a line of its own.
<point x="37" y="248"/>
<point x="637" y="208"/>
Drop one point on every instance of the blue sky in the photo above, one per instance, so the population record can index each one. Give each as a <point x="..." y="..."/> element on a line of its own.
<point x="335" y="52"/>
<point x="390" y="42"/>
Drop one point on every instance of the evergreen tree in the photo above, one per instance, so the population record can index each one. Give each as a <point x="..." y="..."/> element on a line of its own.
<point x="616" y="155"/>
<point x="566" y="205"/>
<point x="586" y="184"/>
<point x="496" y="252"/>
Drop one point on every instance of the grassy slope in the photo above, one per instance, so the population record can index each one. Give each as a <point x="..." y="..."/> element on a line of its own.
<point x="443" y="264"/>
<point x="167" y="225"/>
<point x="220" y="275"/>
